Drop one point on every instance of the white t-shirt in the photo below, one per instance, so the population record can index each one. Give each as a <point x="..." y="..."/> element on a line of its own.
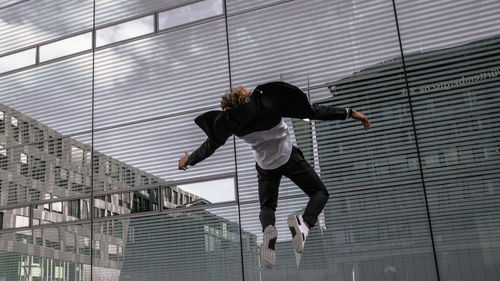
<point x="271" y="148"/>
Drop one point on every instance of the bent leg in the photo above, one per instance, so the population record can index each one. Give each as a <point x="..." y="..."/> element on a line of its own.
<point x="268" y="181"/>
<point x="304" y="176"/>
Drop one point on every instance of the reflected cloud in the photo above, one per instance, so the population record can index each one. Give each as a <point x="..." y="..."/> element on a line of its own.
<point x="190" y="13"/>
<point x="125" y="31"/>
<point x="17" y="60"/>
<point x="66" y="47"/>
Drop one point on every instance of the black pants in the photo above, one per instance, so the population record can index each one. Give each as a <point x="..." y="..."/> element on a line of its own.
<point x="303" y="175"/>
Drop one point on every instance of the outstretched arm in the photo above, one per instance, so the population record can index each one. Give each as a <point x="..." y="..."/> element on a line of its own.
<point x="206" y="149"/>
<point x="289" y="101"/>
<point x="213" y="123"/>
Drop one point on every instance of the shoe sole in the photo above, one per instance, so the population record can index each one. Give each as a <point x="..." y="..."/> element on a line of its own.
<point x="298" y="241"/>
<point x="268" y="256"/>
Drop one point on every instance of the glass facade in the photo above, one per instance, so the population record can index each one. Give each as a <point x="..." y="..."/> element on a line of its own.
<point x="97" y="101"/>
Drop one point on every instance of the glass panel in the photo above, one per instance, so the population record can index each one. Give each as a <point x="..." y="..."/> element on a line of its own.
<point x="327" y="42"/>
<point x="123" y="31"/>
<point x="17" y="60"/>
<point x="34" y="22"/>
<point x="161" y="75"/>
<point x="152" y="149"/>
<point x="194" y="245"/>
<point x="61" y="253"/>
<point x="465" y="220"/>
<point x="428" y="25"/>
<point x="43" y="170"/>
<point x="56" y="96"/>
<point x="451" y="50"/>
<point x="373" y="234"/>
<point x="66" y="47"/>
<point x="190" y="13"/>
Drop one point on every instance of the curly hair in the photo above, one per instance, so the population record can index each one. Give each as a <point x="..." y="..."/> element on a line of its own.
<point x="234" y="100"/>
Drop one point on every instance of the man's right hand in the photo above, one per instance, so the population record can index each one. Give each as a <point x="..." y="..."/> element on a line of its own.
<point x="361" y="117"/>
<point x="183" y="160"/>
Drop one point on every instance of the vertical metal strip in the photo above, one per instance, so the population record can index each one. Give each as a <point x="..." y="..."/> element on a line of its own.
<point x="94" y="36"/>
<point x="407" y="87"/>
<point x="160" y="198"/>
<point x="30" y="219"/>
<point x="37" y="55"/>
<point x="156" y="22"/>
<point x="236" y="189"/>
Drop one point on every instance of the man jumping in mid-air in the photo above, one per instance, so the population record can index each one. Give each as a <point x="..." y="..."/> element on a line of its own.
<point x="257" y="118"/>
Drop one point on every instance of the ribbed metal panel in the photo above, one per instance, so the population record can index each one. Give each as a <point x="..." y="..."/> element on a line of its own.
<point x="242" y="5"/>
<point x="186" y="246"/>
<point x="59" y="94"/>
<point x="452" y="51"/>
<point x="376" y="218"/>
<point x="371" y="231"/>
<point x="431" y="25"/>
<point x="22" y="25"/>
<point x="350" y="157"/>
<point x="155" y="147"/>
<point x="323" y="40"/>
<point x="161" y="75"/>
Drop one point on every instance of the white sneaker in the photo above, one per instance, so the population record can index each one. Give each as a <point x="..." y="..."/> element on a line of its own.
<point x="267" y="253"/>
<point x="299" y="232"/>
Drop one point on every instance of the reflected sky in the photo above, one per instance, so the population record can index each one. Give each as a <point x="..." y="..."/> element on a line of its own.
<point x="66" y="47"/>
<point x="190" y="13"/>
<point x="17" y="60"/>
<point x="214" y="191"/>
<point x="125" y="31"/>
